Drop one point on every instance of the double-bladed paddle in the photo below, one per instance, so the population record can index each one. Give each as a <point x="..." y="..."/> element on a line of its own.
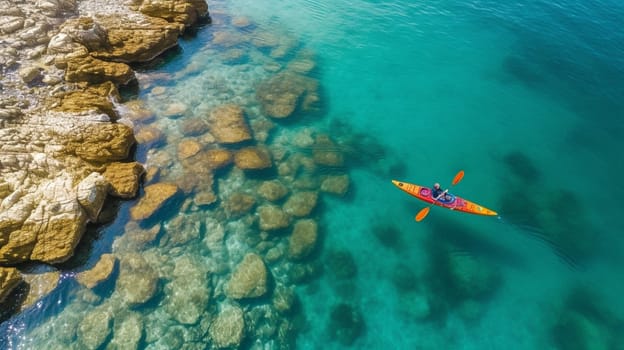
<point x="423" y="213"/>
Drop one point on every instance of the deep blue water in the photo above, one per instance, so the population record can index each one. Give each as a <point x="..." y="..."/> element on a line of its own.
<point x="526" y="97"/>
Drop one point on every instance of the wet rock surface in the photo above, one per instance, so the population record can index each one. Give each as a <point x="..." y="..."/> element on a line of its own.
<point x="61" y="150"/>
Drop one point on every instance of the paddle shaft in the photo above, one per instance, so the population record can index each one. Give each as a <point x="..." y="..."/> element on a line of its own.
<point x="423" y="213"/>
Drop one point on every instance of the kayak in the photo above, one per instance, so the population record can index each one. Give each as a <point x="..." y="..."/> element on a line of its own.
<point x="452" y="201"/>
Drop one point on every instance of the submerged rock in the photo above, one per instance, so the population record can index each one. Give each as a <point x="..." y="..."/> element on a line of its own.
<point x="253" y="158"/>
<point x="39" y="285"/>
<point x="95" y="328"/>
<point x="249" y="280"/>
<point x="272" y="218"/>
<point x="335" y="184"/>
<point x="282" y="94"/>
<point x="346" y="323"/>
<point x="301" y="203"/>
<point x="155" y="197"/>
<point x="228" y="328"/>
<point x="127" y="332"/>
<point x="188" y="293"/>
<point x="303" y="239"/>
<point x="228" y="125"/>
<point x="99" y="273"/>
<point x="272" y="190"/>
<point x="137" y="282"/>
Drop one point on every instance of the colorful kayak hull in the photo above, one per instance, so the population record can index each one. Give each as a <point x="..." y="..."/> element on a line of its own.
<point x="453" y="203"/>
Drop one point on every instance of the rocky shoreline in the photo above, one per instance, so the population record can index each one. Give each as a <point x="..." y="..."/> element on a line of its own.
<point x="63" y="146"/>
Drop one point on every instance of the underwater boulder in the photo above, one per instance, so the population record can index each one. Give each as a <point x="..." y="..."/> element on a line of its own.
<point x="272" y="218"/>
<point x="138" y="281"/>
<point x="470" y="277"/>
<point x="95" y="328"/>
<point x="188" y="293"/>
<point x="346" y="323"/>
<point x="249" y="280"/>
<point x="253" y="158"/>
<point x="301" y="203"/>
<point x="102" y="270"/>
<point x="335" y="184"/>
<point x="272" y="190"/>
<point x="188" y="148"/>
<point x="228" y="328"/>
<point x="228" y="125"/>
<point x="155" y="197"/>
<point x="303" y="239"/>
<point x="127" y="331"/>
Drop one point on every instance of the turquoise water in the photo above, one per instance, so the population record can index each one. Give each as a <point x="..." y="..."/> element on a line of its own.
<point x="526" y="98"/>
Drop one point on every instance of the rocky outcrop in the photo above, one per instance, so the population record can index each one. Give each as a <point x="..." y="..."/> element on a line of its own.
<point x="9" y="279"/>
<point x="61" y="152"/>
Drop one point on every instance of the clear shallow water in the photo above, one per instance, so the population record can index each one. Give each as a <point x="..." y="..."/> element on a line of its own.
<point x="526" y="98"/>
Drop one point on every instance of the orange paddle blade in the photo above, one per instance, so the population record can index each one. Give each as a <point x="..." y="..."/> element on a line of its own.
<point x="421" y="214"/>
<point x="458" y="177"/>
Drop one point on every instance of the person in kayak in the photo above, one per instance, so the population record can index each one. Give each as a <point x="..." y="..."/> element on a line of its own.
<point x="437" y="193"/>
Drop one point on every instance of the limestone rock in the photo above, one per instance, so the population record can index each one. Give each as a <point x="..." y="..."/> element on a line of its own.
<point x="253" y="158"/>
<point x="272" y="190"/>
<point x="91" y="194"/>
<point x="124" y="178"/>
<point x="282" y="94"/>
<point x="102" y="143"/>
<point x="9" y="279"/>
<point x="135" y="41"/>
<point x="29" y="74"/>
<point x="227" y="330"/>
<point x="87" y="32"/>
<point x="336" y="184"/>
<point x="95" y="71"/>
<point x="228" y="125"/>
<point x="249" y="280"/>
<point x="301" y="203"/>
<point x="95" y="328"/>
<point x="44" y="224"/>
<point x="99" y="273"/>
<point x="185" y="12"/>
<point x="11" y="24"/>
<point x="92" y="100"/>
<point x="137" y="282"/>
<point x="39" y="285"/>
<point x="155" y="197"/>
<point x="272" y="218"/>
<point x="303" y="239"/>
